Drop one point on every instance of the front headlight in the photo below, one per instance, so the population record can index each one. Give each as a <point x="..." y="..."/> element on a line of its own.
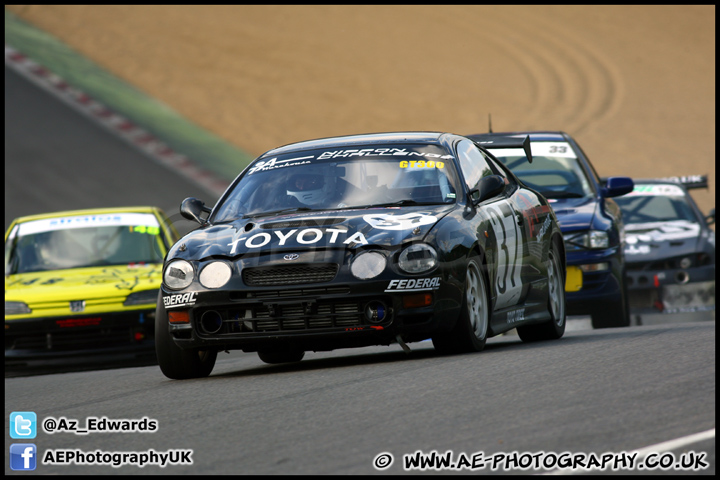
<point x="178" y="274"/>
<point x="215" y="275"/>
<point x="417" y="258"/>
<point x="16" y="308"/>
<point x="598" y="239"/>
<point x="141" y="298"/>
<point x="368" y="265"/>
<point x="594" y="239"/>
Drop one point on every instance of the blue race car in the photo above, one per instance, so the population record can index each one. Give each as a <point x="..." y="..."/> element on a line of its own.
<point x="590" y="220"/>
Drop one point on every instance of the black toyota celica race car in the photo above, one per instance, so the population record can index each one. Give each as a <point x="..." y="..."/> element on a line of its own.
<point x="362" y="240"/>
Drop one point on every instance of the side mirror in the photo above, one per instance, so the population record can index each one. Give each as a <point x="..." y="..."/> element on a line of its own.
<point x="192" y="209"/>
<point x="710" y="219"/>
<point x="487" y="187"/>
<point x="616" y="186"/>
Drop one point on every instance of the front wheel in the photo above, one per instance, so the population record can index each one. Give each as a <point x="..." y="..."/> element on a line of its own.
<point x="471" y="329"/>
<point x="555" y="327"/>
<point x="614" y="314"/>
<point x="175" y="362"/>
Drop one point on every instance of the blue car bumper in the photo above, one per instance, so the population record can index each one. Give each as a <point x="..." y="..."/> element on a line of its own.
<point x="602" y="280"/>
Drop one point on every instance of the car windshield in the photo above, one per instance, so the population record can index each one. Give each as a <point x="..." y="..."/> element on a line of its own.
<point x="55" y="244"/>
<point x="554" y="172"/>
<point x="342" y="178"/>
<point x="649" y="203"/>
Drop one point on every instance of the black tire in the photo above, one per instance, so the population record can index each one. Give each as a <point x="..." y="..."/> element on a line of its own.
<point x="614" y="314"/>
<point x="288" y="356"/>
<point x="175" y="362"/>
<point x="471" y="329"/>
<point x="554" y="328"/>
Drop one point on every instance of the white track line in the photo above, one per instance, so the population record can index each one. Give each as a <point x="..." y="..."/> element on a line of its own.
<point x="644" y="452"/>
<point x="674" y="444"/>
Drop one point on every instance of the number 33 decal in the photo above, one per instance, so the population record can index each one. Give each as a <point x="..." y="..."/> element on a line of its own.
<point x="509" y="253"/>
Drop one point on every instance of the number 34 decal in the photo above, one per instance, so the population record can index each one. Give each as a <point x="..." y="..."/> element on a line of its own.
<point x="509" y="253"/>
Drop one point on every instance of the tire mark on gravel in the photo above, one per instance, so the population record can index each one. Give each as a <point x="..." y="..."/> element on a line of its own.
<point x="600" y="89"/>
<point x="567" y="76"/>
<point x="503" y="37"/>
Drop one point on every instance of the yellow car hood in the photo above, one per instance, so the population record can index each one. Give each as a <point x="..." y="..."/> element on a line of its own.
<point x="103" y="289"/>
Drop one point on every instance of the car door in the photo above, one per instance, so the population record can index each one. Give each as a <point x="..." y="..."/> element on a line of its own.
<point x="507" y="227"/>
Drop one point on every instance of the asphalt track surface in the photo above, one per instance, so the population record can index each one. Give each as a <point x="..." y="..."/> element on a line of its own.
<point x="592" y="392"/>
<point x="56" y="159"/>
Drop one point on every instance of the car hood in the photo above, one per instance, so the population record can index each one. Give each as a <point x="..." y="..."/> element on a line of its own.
<point x="646" y="242"/>
<point x="574" y="213"/>
<point x="81" y="283"/>
<point x="334" y="229"/>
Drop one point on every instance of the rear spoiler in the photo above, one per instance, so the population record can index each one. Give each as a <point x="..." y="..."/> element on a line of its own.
<point x="690" y="181"/>
<point x="506" y="142"/>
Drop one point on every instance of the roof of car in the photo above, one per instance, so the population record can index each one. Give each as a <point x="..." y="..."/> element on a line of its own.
<point x="688" y="182"/>
<point x="638" y="181"/>
<point x="91" y="211"/>
<point x="362" y="139"/>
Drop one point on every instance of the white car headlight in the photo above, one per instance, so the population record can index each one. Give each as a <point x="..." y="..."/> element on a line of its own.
<point x="417" y="258"/>
<point x="215" y="275"/>
<point x="598" y="239"/>
<point x="591" y="239"/>
<point x="178" y="274"/>
<point x="368" y="265"/>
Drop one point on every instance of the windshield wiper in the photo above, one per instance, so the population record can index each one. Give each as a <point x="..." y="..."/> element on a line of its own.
<point x="276" y="212"/>
<point x="401" y="203"/>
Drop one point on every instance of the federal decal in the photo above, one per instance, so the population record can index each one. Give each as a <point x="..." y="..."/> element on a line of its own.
<point x="180" y="300"/>
<point x="413" y="284"/>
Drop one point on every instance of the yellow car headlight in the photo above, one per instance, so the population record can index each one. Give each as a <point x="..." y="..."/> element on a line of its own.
<point x="16" y="308"/>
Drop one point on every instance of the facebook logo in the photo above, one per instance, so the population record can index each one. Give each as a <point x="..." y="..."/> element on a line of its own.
<point x="23" y="425"/>
<point x="23" y="456"/>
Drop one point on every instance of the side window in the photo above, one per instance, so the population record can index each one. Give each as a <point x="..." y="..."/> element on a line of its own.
<point x="473" y="163"/>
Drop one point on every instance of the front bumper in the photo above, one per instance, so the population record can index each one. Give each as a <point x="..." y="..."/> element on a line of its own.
<point x="597" y="287"/>
<point x="671" y="291"/>
<point x="60" y="337"/>
<point x="314" y="318"/>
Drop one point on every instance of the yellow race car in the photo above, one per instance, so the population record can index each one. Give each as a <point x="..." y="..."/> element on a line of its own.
<point x="83" y="281"/>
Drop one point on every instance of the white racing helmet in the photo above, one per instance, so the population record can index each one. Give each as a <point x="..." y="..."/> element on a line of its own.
<point x="310" y="188"/>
